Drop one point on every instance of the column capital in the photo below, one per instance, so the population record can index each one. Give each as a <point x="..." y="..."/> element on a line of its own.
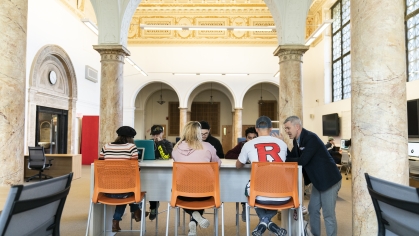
<point x="290" y="52"/>
<point x="112" y="52"/>
<point x="238" y="108"/>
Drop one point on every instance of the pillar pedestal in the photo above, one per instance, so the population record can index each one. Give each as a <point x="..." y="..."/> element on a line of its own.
<point x="290" y="83"/>
<point x="111" y="89"/>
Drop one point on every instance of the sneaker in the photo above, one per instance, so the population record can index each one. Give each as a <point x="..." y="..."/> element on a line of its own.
<point x="192" y="228"/>
<point x="260" y="229"/>
<point x="153" y="214"/>
<point x="204" y="223"/>
<point x="276" y="229"/>
<point x="304" y="209"/>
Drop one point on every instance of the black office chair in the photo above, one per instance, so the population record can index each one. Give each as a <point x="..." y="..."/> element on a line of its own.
<point x="35" y="209"/>
<point x="396" y="207"/>
<point x="37" y="161"/>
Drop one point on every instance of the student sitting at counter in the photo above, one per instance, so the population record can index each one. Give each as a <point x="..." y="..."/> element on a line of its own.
<point x="122" y="148"/>
<point x="235" y="152"/>
<point x="190" y="148"/>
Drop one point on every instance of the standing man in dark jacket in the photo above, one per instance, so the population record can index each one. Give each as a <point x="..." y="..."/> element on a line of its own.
<point x="319" y="169"/>
<point x="206" y="137"/>
<point x="162" y="150"/>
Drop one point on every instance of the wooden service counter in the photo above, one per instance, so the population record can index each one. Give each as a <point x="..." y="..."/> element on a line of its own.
<point x="61" y="165"/>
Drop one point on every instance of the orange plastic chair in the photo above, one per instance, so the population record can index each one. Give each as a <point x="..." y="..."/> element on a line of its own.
<point x="117" y="176"/>
<point x="196" y="180"/>
<point x="274" y="179"/>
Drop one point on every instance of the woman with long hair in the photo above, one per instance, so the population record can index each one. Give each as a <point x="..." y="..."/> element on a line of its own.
<point x="190" y="148"/>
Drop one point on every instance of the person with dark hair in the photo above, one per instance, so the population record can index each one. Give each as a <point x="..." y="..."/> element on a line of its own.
<point x="190" y="148"/>
<point x="235" y="152"/>
<point x="162" y="150"/>
<point x="265" y="148"/>
<point x="319" y="169"/>
<point x="330" y="146"/>
<point x="122" y="148"/>
<point x="207" y="137"/>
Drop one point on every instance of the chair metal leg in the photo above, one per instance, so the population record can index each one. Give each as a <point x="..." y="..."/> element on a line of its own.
<point x="88" y="217"/>
<point x="184" y="221"/>
<point x="247" y="219"/>
<point x="104" y="219"/>
<point x="167" y="219"/>
<point x="176" y="220"/>
<point x="142" y="228"/>
<point x="222" y="219"/>
<point x="216" y="221"/>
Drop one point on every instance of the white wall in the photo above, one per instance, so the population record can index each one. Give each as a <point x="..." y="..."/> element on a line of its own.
<point x="317" y="87"/>
<point x="50" y="22"/>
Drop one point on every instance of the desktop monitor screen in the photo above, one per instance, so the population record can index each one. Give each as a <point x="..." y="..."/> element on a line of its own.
<point x="148" y="146"/>
<point x="241" y="139"/>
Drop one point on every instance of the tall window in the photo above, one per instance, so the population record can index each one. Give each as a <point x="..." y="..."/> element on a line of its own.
<point x="208" y="112"/>
<point x="412" y="38"/>
<point x="174" y="120"/>
<point x="341" y="50"/>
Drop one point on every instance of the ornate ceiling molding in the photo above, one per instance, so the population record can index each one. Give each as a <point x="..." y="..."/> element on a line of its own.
<point x="205" y="16"/>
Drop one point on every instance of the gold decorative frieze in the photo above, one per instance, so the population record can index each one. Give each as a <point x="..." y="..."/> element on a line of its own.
<point x="314" y="17"/>
<point x="202" y="16"/>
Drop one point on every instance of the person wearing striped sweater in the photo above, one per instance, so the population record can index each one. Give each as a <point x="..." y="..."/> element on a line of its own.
<point x="122" y="148"/>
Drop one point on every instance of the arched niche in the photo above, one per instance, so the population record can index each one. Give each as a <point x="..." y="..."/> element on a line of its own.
<point x="60" y="95"/>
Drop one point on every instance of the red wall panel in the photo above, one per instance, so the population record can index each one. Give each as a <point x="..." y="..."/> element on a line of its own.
<point x="89" y="139"/>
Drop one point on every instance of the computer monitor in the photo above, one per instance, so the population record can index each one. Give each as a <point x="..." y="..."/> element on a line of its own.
<point x="343" y="144"/>
<point x="148" y="146"/>
<point x="241" y="139"/>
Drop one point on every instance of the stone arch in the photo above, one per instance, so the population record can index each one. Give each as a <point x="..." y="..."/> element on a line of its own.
<point x="61" y="95"/>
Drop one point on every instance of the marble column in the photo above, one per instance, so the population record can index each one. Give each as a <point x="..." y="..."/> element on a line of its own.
<point x="111" y="90"/>
<point x="183" y="119"/>
<point x="378" y="103"/>
<point x="13" y="23"/>
<point x="290" y="83"/>
<point x="237" y="124"/>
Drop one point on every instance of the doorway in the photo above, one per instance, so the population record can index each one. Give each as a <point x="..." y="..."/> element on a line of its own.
<point x="51" y="129"/>
<point x="226" y="138"/>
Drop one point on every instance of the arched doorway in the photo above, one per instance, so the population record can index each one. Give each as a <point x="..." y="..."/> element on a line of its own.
<point x="52" y="97"/>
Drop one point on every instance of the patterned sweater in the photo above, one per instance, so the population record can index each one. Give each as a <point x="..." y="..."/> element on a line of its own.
<point x="119" y="151"/>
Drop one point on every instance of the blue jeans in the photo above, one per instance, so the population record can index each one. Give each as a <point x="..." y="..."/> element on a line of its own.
<point x="325" y="200"/>
<point x="265" y="215"/>
<point x="120" y="209"/>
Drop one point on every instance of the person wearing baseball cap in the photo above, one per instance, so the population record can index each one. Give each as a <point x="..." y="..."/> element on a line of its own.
<point x="163" y="151"/>
<point x="265" y="148"/>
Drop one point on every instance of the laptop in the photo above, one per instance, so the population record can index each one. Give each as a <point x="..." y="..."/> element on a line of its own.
<point x="140" y="153"/>
<point x="148" y="146"/>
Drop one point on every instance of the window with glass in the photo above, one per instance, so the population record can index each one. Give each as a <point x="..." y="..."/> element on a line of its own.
<point x="412" y="39"/>
<point x="341" y="50"/>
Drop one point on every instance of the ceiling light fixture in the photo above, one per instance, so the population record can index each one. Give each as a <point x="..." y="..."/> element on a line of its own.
<point x="211" y="101"/>
<point x="161" y="102"/>
<point x="200" y="27"/>
<point x="318" y="31"/>
<point x="261" y="99"/>
<point x="215" y="74"/>
<point x="91" y="25"/>
<point x="132" y="63"/>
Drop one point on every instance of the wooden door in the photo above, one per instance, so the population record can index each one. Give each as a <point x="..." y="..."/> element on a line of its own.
<point x="226" y="137"/>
